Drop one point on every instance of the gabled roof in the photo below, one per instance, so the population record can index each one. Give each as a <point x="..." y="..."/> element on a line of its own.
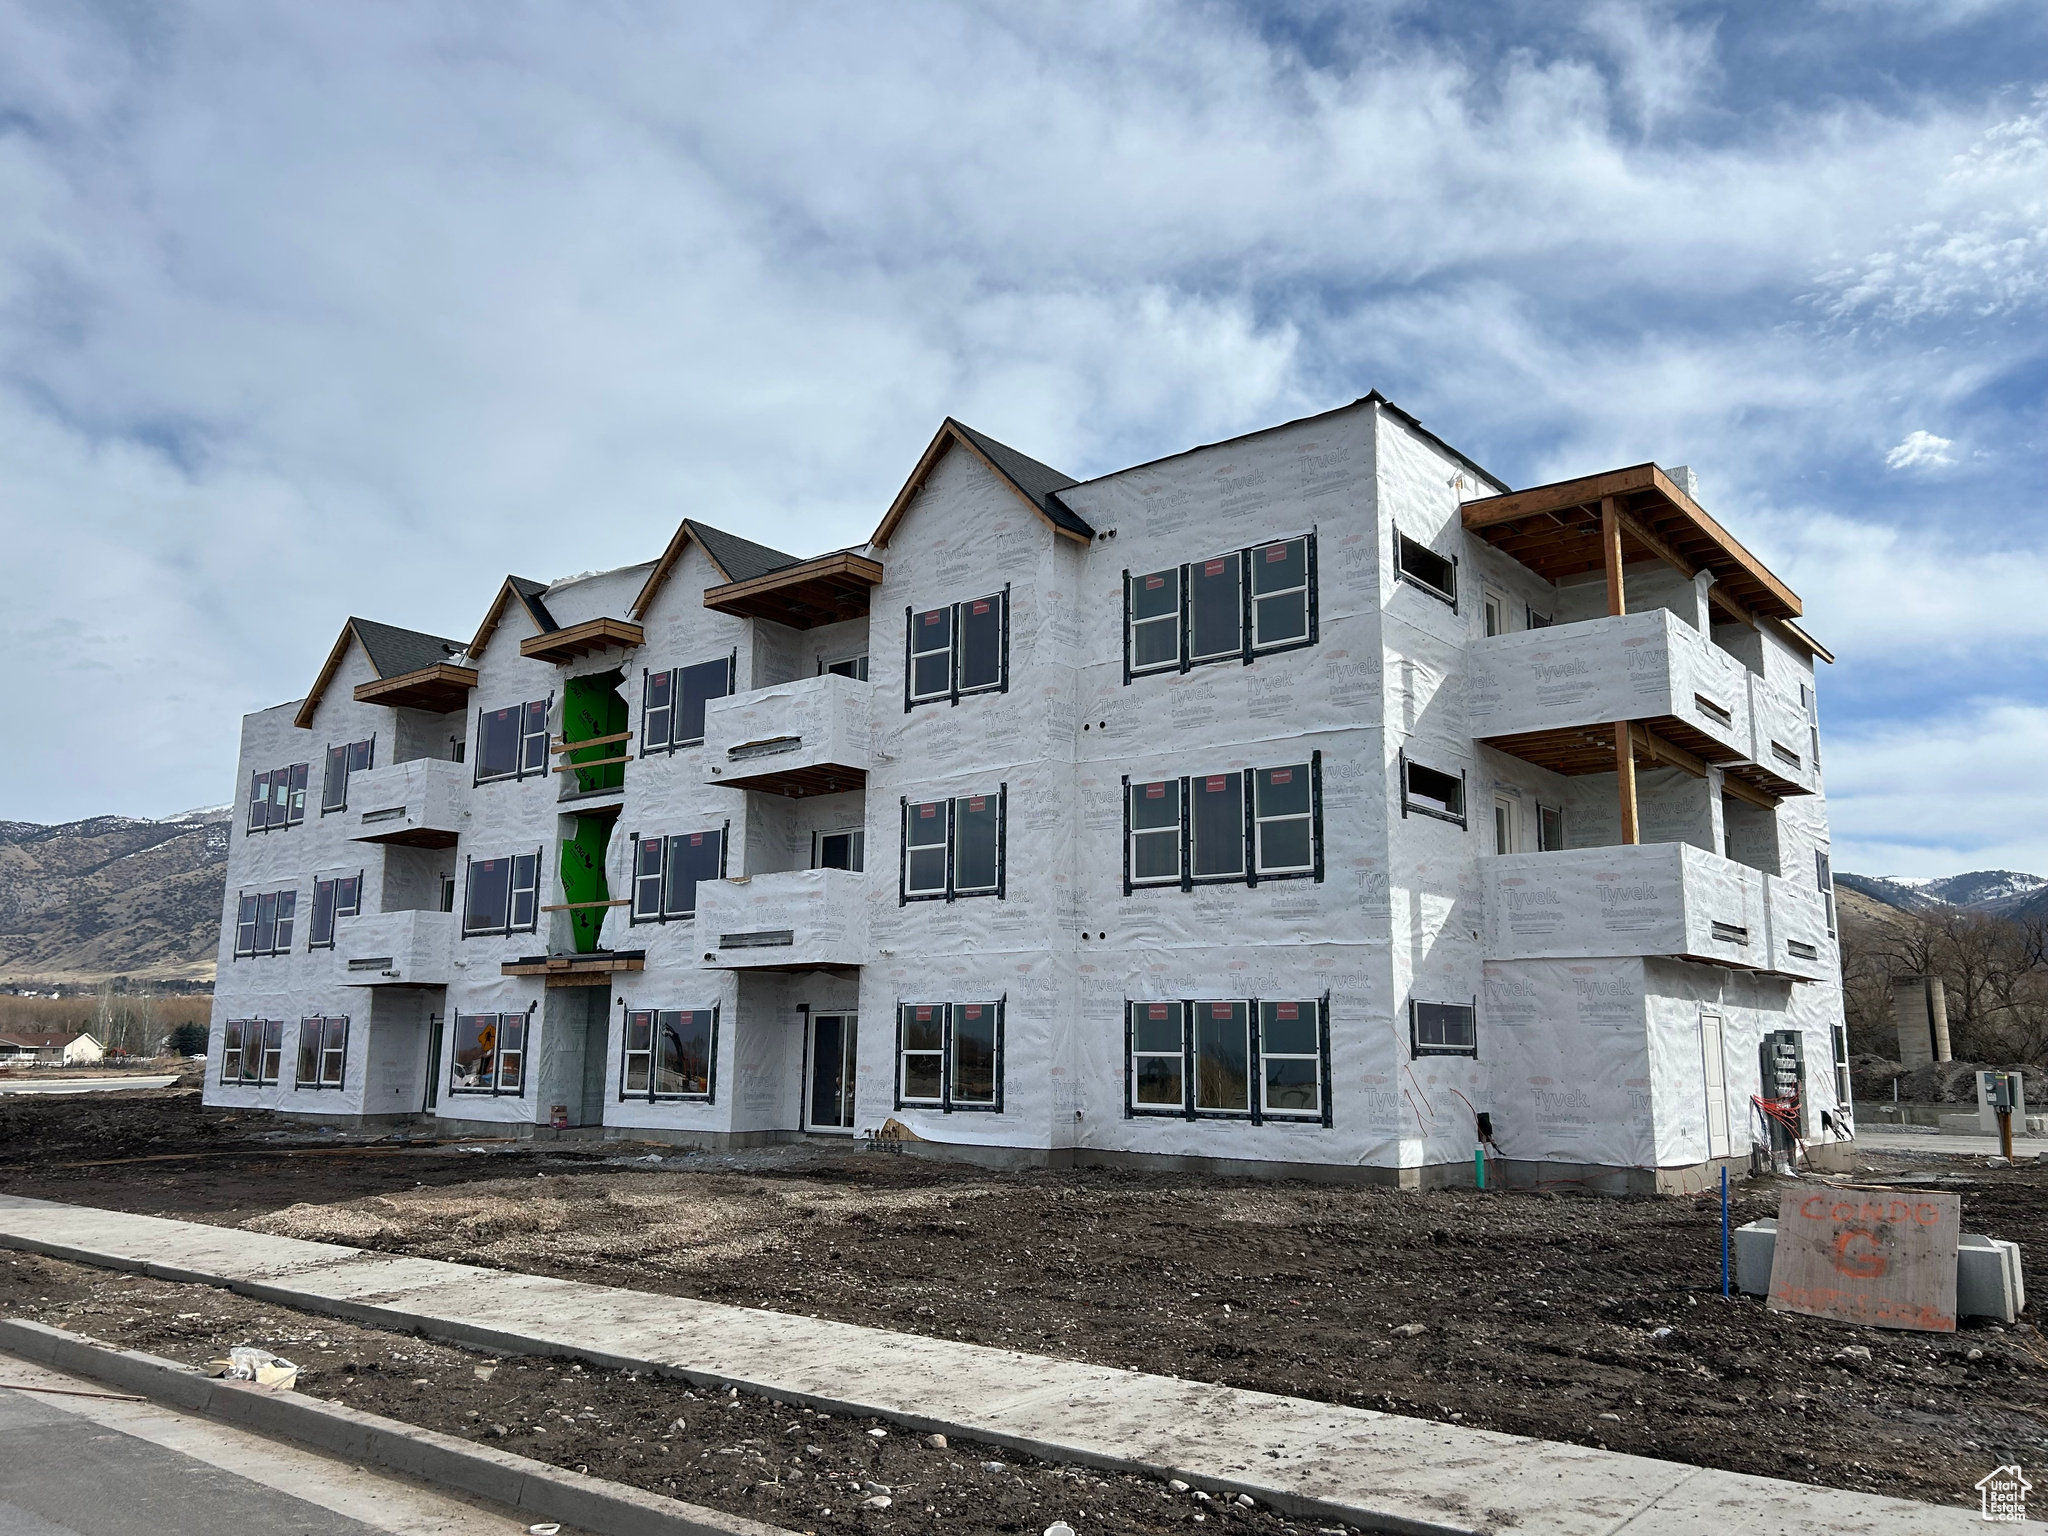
<point x="392" y="652"/>
<point x="737" y="559"/>
<point x="1038" y="485"/>
<point x="528" y="594"/>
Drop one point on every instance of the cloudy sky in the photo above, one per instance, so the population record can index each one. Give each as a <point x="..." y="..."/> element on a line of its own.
<point x="309" y="309"/>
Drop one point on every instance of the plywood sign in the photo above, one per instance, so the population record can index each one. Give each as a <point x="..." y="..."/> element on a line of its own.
<point x="1871" y="1256"/>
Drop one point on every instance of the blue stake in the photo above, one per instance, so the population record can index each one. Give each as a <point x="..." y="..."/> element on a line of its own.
<point x="1724" y="1229"/>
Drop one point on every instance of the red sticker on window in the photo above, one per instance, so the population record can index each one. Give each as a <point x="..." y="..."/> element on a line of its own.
<point x="935" y="615"/>
<point x="927" y="812"/>
<point x="1155" y="791"/>
<point x="1285" y="1011"/>
<point x="1219" y="1010"/>
<point x="977" y="803"/>
<point x="1276" y="552"/>
<point x="981" y="608"/>
<point x="1213" y="568"/>
<point x="489" y="865"/>
<point x="1282" y="776"/>
<point x="1157" y="1011"/>
<point x="1215" y="785"/>
<point x="924" y="1015"/>
<point x="974" y="1012"/>
<point x="1153" y="583"/>
<point x="696" y="839"/>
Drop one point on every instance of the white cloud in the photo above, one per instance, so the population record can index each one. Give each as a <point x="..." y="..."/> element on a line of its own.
<point x="1943" y="795"/>
<point x="309" y="311"/>
<point x="1920" y="449"/>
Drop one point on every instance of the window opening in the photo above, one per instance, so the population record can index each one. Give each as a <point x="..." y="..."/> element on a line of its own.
<point x="490" y="1054"/>
<point x="669" y="1053"/>
<point x="278" y="798"/>
<point x="342" y="761"/>
<point x="1538" y="620"/>
<point x="1279" y="594"/>
<point x="1229" y="1058"/>
<point x="950" y="1056"/>
<point x="1215" y="609"/>
<point x="512" y="742"/>
<point x="1222" y="1056"/>
<point x="1823" y="875"/>
<point x="668" y="870"/>
<point x="1503" y="825"/>
<point x="1290" y="1051"/>
<point x="1283" y="812"/>
<point x="959" y="649"/>
<point x="251" y="1050"/>
<point x="1549" y="828"/>
<point x="1155" y="620"/>
<point x="1232" y="606"/>
<point x="1443" y="1029"/>
<point x="1158" y="1056"/>
<point x="332" y="899"/>
<point x="954" y="848"/>
<point x="855" y="667"/>
<point x="839" y="850"/>
<point x="501" y="895"/>
<point x="323" y="1052"/>
<point x="1494" y="614"/>
<point x="263" y="923"/>
<point x="1422" y="566"/>
<point x="1155" y="832"/>
<point x="1216" y="822"/>
<point x="1430" y="792"/>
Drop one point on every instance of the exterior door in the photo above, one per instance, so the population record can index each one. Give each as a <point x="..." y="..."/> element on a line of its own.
<point x="828" y="1096"/>
<point x="1713" y="1061"/>
<point x="433" y="1093"/>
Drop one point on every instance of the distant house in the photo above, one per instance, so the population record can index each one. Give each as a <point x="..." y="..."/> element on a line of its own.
<point x="73" y="1048"/>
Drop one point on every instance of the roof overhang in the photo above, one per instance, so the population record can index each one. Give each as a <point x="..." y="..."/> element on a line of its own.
<point x="439" y="689"/>
<point x="803" y="596"/>
<point x="1555" y="531"/>
<point x="580" y="640"/>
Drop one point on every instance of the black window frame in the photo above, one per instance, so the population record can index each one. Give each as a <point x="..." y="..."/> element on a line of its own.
<point x="1249" y="649"/>
<point x="1544" y="841"/>
<point x="335" y="910"/>
<point x="1409" y="807"/>
<point x="282" y="916"/>
<point x="1402" y="542"/>
<point x="513" y="891"/>
<point x="1417" y="1049"/>
<point x="1257" y="1057"/>
<point x="665" y="874"/>
<point x="1824" y="877"/>
<point x="953" y="891"/>
<point x="321" y="1051"/>
<point x="495" y="1090"/>
<point x="290" y="811"/>
<point x="269" y="1052"/>
<point x="649" y="1094"/>
<point x="1248" y="873"/>
<point x="346" y="758"/>
<point x="671" y="742"/>
<point x="523" y="754"/>
<point x="953" y="693"/>
<point x="946" y="1102"/>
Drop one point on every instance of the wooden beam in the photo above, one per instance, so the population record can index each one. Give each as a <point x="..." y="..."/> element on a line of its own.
<point x="1610" y="547"/>
<point x="595" y="741"/>
<point x="1655" y="544"/>
<point x="1748" y="793"/>
<point x="1658" y="750"/>
<point x="1625" y="775"/>
<point x="1730" y="606"/>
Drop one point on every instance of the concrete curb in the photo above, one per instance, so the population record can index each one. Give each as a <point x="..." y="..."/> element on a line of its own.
<point x="533" y="1488"/>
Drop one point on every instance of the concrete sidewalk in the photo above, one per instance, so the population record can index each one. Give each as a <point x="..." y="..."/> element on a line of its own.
<point x="1372" y="1470"/>
<point x="1947" y="1143"/>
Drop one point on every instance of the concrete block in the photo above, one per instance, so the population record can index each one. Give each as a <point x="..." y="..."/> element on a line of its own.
<point x="1989" y="1279"/>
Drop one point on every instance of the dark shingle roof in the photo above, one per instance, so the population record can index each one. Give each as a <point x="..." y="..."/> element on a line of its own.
<point x="533" y="594"/>
<point x="395" y="652"/>
<point x="1040" y="483"/>
<point x="740" y="559"/>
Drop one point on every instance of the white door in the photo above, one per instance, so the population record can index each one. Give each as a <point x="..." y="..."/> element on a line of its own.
<point x="1716" y="1071"/>
<point x="1504" y="828"/>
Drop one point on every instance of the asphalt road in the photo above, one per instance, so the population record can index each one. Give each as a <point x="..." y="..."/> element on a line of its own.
<point x="93" y="1466"/>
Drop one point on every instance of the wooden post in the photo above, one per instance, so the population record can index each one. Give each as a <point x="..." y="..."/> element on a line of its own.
<point x="1610" y="550"/>
<point x="1625" y="775"/>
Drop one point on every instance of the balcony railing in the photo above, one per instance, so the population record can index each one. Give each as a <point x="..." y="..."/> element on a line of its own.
<point x="810" y="737"/>
<point x="1533" y="693"/>
<point x="1664" y="899"/>
<point x="802" y="919"/>
<point x="420" y="804"/>
<point x="395" y="949"/>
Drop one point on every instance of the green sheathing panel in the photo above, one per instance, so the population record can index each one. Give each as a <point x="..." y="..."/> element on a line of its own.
<point x="591" y="707"/>
<point x="583" y="878"/>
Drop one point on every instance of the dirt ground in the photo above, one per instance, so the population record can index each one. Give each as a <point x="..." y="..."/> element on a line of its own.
<point x="1541" y="1313"/>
